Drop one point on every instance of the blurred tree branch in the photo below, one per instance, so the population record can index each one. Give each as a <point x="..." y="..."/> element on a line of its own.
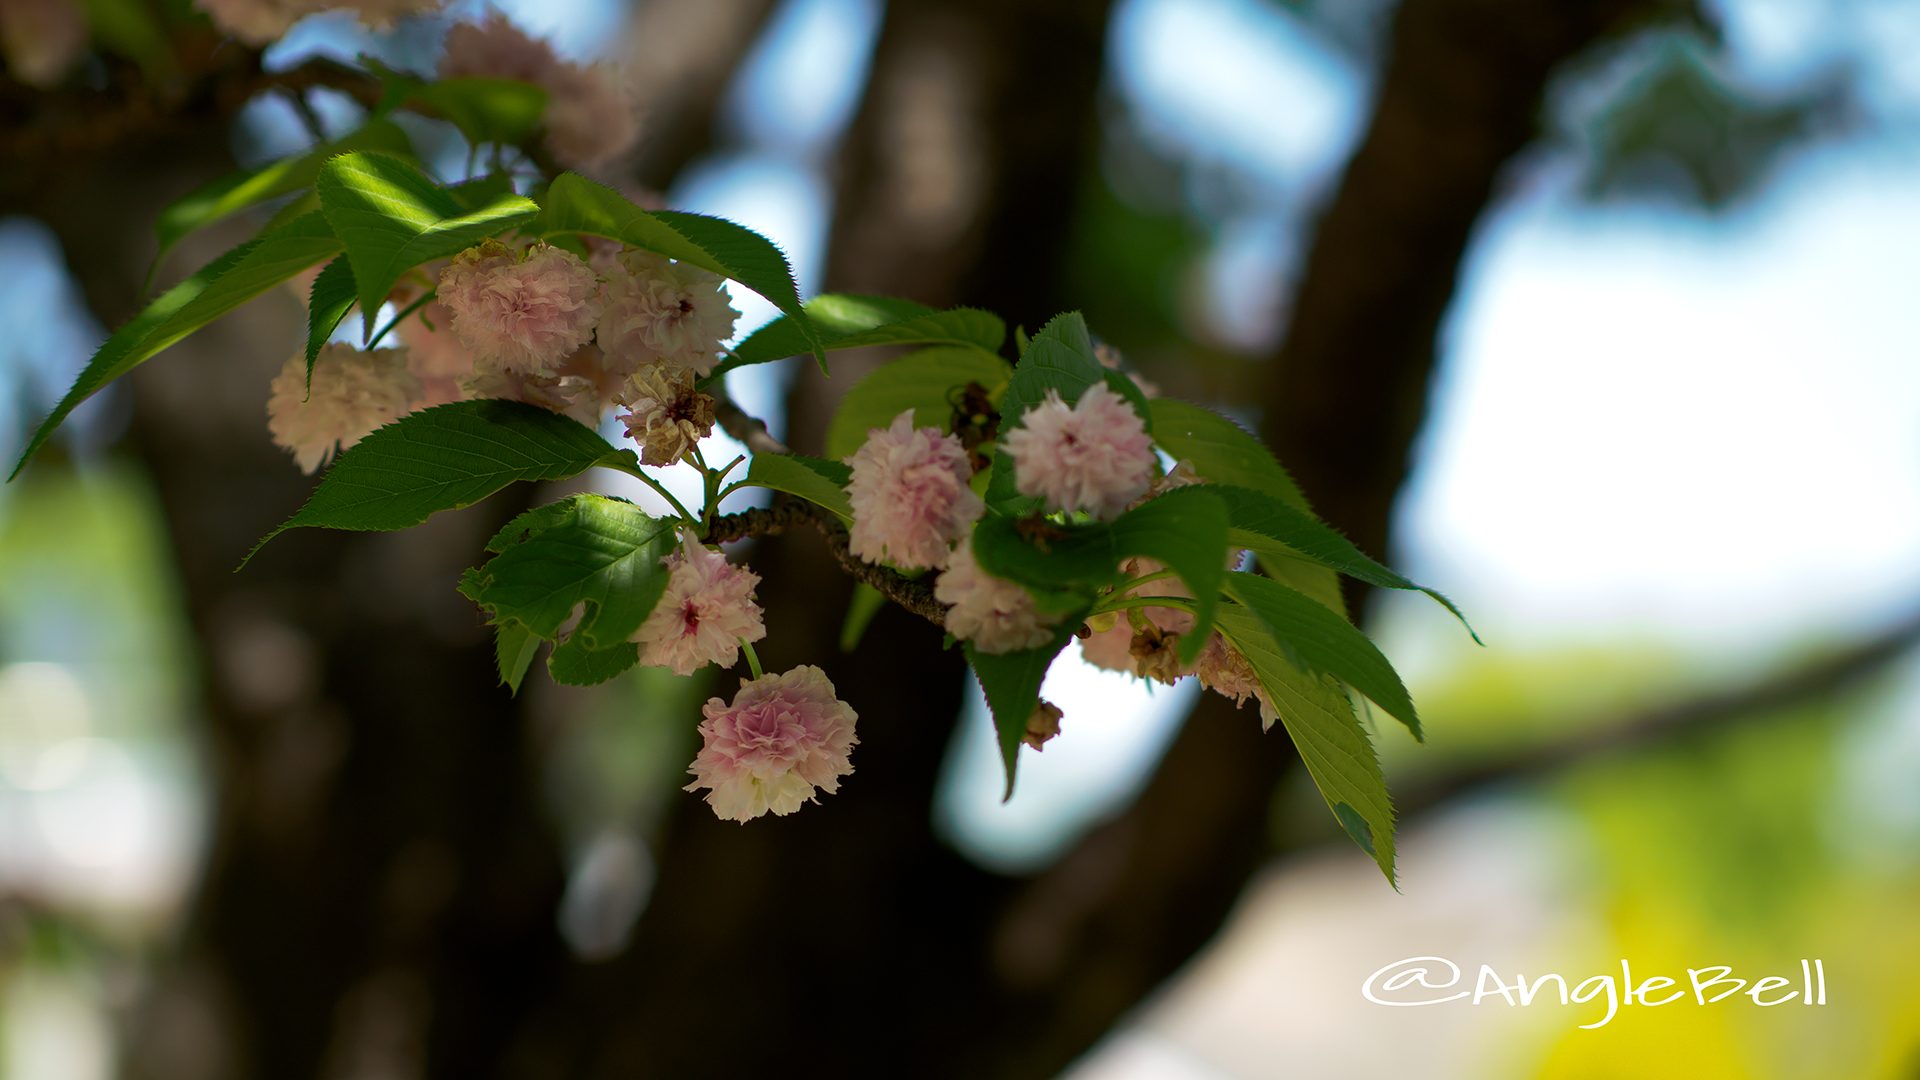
<point x="1690" y="717"/>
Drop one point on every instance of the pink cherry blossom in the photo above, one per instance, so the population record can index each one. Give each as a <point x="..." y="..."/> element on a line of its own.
<point x="550" y="392"/>
<point x="1224" y="669"/>
<point x="1094" y="456"/>
<point x="996" y="615"/>
<point x="589" y="117"/>
<point x="910" y="495"/>
<point x="1112" y="646"/>
<point x="783" y="737"/>
<point x="704" y="615"/>
<point x="661" y="312"/>
<point x="353" y="393"/>
<point x="522" y="314"/>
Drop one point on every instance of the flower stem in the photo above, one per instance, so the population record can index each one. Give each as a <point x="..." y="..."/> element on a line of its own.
<point x="659" y="489"/>
<point x="1126" y="603"/>
<point x="410" y="309"/>
<point x="753" y="658"/>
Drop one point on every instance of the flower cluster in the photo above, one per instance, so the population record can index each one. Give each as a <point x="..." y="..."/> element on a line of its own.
<point x="705" y="615"/>
<point x="782" y="737"/>
<point x="1093" y="456"/>
<point x="540" y="324"/>
<point x="910" y="496"/>
<point x="588" y="120"/>
<point x="351" y="393"/>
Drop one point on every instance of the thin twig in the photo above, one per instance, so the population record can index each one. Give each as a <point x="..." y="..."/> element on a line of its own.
<point x="914" y="594"/>
<point x="750" y="430"/>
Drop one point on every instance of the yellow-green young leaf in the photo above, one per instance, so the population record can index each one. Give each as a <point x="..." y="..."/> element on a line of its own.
<point x="1323" y="641"/>
<point x="391" y="217"/>
<point x="1319" y="718"/>
<point x="576" y="205"/>
<point x="1059" y="358"/>
<point x="1220" y="451"/>
<point x="222" y="285"/>
<point x="821" y="482"/>
<point x="1185" y="529"/>
<point x="514" y="647"/>
<point x="593" y="554"/>
<point x="928" y="381"/>
<point x="236" y="191"/>
<point x="1278" y="531"/>
<point x="846" y="321"/>
<point x="445" y="458"/>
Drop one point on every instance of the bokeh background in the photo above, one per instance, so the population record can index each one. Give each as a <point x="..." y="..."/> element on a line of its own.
<point x="1598" y="315"/>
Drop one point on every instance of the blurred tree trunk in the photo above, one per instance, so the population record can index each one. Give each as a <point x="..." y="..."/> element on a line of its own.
<point x="381" y="876"/>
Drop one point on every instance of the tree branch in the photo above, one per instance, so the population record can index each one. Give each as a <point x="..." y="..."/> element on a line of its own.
<point x="1690" y="717"/>
<point x="913" y="594"/>
<point x="749" y="430"/>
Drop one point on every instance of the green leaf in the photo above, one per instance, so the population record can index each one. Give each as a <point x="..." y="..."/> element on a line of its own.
<point x="1184" y="529"/>
<point x="924" y="381"/>
<point x="514" y="647"/>
<point x="503" y="111"/>
<point x="1221" y="452"/>
<point x="1278" y="531"/>
<point x="816" y="480"/>
<point x="846" y="321"/>
<point x="573" y="664"/>
<point x="1011" y="682"/>
<point x="236" y="191"/>
<point x="1060" y="358"/>
<point x="1325" y="642"/>
<point x="219" y="287"/>
<point x="445" y="458"/>
<point x="327" y="306"/>
<point x="392" y="217"/>
<point x="575" y="204"/>
<point x="1319" y="718"/>
<point x="592" y="553"/>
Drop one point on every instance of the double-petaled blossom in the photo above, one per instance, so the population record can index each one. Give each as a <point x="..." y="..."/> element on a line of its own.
<point x="910" y="496"/>
<point x="435" y="356"/>
<point x="665" y="414"/>
<point x="1223" y="669"/>
<point x="1094" y="456"/>
<point x="657" y="311"/>
<point x="705" y="613"/>
<point x="783" y="738"/>
<point x="520" y="314"/>
<point x="589" y="117"/>
<point x="353" y="392"/>
<point x="1146" y="651"/>
<point x="995" y="614"/>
